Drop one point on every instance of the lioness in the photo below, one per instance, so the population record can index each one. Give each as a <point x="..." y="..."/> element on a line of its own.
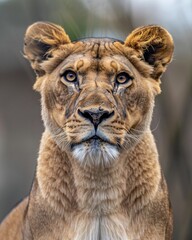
<point x="98" y="176"/>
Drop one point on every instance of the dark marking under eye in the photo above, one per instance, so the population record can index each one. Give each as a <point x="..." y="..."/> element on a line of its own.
<point x="70" y="106"/>
<point x="67" y="113"/>
<point x="124" y="114"/>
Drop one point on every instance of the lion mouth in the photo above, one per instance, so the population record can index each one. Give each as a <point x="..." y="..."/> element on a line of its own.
<point x="95" y="150"/>
<point x="94" y="141"/>
<point x="95" y="137"/>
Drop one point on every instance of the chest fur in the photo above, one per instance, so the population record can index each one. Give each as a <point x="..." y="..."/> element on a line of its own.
<point x="99" y="228"/>
<point x="99" y="199"/>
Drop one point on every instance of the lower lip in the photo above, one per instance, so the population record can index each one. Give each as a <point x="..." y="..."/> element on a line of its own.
<point x="94" y="140"/>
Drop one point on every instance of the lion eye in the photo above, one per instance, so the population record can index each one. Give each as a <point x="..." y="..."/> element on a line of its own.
<point x="70" y="76"/>
<point x="123" y="78"/>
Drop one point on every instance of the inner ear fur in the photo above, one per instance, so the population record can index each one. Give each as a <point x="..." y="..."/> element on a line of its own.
<point x="41" y="39"/>
<point x="154" y="45"/>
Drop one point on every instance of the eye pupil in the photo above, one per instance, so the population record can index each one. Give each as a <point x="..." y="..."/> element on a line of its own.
<point x="123" y="78"/>
<point x="70" y="76"/>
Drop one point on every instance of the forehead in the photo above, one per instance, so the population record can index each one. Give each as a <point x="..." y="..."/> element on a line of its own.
<point x="98" y="54"/>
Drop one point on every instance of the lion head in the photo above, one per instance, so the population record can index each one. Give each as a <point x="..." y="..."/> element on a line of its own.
<point x="97" y="93"/>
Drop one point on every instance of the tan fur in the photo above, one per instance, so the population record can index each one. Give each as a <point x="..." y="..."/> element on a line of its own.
<point x="109" y="188"/>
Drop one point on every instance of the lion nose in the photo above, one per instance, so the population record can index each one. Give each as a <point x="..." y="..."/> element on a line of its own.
<point x="95" y="116"/>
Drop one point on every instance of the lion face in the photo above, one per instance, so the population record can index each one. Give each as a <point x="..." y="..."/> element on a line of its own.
<point x="97" y="94"/>
<point x="97" y="101"/>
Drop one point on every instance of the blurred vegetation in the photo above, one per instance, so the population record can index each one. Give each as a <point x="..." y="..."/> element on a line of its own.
<point x="20" y="124"/>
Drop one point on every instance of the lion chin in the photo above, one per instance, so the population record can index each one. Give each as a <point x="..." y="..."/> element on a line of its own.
<point x="95" y="152"/>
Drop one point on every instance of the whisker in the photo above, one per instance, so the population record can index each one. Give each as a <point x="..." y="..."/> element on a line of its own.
<point x="155" y="128"/>
<point x="137" y="130"/>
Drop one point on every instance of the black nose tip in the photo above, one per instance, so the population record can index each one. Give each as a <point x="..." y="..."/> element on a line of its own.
<point x="95" y="116"/>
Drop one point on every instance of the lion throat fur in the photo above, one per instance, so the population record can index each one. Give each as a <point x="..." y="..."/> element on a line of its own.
<point x="101" y="228"/>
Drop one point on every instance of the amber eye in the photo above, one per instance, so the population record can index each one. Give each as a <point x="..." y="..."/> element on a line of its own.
<point x="70" y="76"/>
<point x="123" y="78"/>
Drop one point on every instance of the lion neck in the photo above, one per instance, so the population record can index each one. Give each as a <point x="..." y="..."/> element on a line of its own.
<point x="69" y="187"/>
<point x="99" y="190"/>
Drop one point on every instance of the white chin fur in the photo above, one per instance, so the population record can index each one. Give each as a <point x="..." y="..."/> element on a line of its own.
<point x="95" y="156"/>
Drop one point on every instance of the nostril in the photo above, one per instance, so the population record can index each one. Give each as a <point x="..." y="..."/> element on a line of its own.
<point x="85" y="114"/>
<point x="80" y="112"/>
<point x="95" y="116"/>
<point x="106" y="115"/>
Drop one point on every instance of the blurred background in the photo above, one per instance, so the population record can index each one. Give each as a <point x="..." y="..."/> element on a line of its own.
<point x="20" y="121"/>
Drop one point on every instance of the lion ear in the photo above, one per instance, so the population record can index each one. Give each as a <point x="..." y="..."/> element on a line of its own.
<point x="155" y="47"/>
<point x="41" y="39"/>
